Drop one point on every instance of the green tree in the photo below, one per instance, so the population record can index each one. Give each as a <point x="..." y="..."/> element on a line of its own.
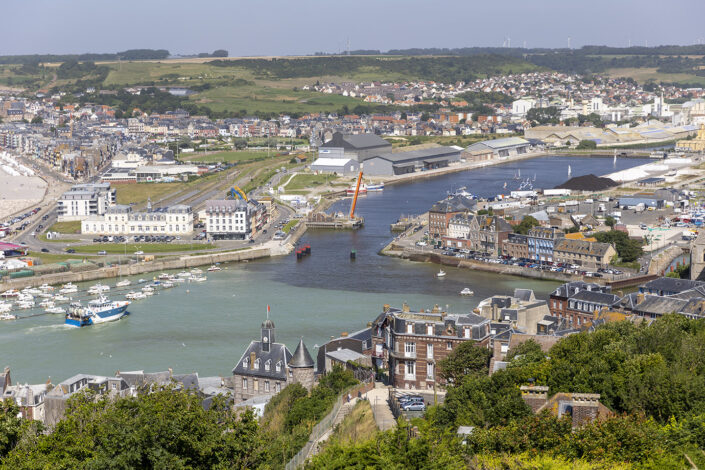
<point x="587" y="145"/>
<point x="37" y="120"/>
<point x="163" y="429"/>
<point x="465" y="359"/>
<point x="526" y="224"/>
<point x="610" y="221"/>
<point x="627" y="248"/>
<point x="549" y="115"/>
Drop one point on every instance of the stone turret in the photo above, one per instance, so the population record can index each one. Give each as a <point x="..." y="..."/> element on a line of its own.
<point x="301" y="366"/>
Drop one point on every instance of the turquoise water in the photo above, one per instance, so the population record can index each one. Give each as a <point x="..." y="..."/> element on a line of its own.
<point x="204" y="327"/>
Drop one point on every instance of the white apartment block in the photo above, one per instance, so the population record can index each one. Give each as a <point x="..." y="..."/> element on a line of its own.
<point x="85" y="200"/>
<point x="120" y="220"/>
<point x="233" y="219"/>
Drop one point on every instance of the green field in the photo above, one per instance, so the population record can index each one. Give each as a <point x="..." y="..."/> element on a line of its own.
<point x="73" y="226"/>
<point x="291" y="224"/>
<point x="130" y="248"/>
<point x="139" y="192"/>
<point x="228" y="156"/>
<point x="307" y="181"/>
<point x="643" y="75"/>
<point x="54" y="257"/>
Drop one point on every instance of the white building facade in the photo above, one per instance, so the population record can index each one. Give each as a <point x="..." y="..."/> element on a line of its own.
<point x="234" y="219"/>
<point x="120" y="220"/>
<point x="85" y="200"/>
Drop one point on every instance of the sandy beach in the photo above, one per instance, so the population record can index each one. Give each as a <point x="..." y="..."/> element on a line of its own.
<point x="19" y="192"/>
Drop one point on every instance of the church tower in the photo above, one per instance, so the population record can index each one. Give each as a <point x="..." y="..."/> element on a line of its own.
<point x="301" y="366"/>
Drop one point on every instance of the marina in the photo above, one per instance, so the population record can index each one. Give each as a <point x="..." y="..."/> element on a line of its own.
<point x="203" y="325"/>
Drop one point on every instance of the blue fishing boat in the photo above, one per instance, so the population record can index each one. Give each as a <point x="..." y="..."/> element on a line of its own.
<point x="101" y="310"/>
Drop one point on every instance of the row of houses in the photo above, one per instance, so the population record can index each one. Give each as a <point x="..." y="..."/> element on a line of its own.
<point x="453" y="222"/>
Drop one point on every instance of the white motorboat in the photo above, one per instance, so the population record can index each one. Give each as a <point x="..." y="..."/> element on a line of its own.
<point x="164" y="276"/>
<point x="25" y="298"/>
<point x="46" y="287"/>
<point x="45" y="295"/>
<point x="25" y="304"/>
<point x="61" y="298"/>
<point x="467" y="291"/>
<point x="184" y="274"/>
<point x="47" y="303"/>
<point x="5" y="307"/>
<point x="31" y="290"/>
<point x="196" y="271"/>
<point x="10" y="293"/>
<point x="214" y="268"/>
<point x="7" y="316"/>
<point x="148" y="293"/>
<point x="68" y="289"/>
<point x="57" y="310"/>
<point x="132" y="295"/>
<point x="441" y="273"/>
<point x="199" y="279"/>
<point x="167" y="284"/>
<point x="148" y="289"/>
<point x="123" y="283"/>
<point x="141" y="281"/>
<point x="179" y="280"/>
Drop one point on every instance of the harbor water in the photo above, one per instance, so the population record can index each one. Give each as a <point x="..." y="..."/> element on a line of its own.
<point x="205" y="327"/>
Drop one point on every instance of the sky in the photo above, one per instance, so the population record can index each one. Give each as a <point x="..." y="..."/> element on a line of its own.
<point x="280" y="27"/>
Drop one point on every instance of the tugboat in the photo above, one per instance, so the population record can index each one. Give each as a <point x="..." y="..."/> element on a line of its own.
<point x="101" y="310"/>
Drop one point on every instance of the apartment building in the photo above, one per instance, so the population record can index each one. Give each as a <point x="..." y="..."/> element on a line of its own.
<point x="84" y="200"/>
<point x="234" y="219"/>
<point x="415" y="342"/>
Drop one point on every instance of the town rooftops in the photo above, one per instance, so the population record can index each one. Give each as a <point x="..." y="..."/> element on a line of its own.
<point x="595" y="297"/>
<point x="669" y="285"/>
<point x="345" y="355"/>
<point x="454" y="204"/>
<point x="581" y="247"/>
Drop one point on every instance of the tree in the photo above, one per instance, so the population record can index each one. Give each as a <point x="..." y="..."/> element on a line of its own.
<point x="465" y="359"/>
<point x="164" y="429"/>
<point x="219" y="53"/>
<point x="549" y="115"/>
<point x="527" y="223"/>
<point x="425" y="117"/>
<point x="627" y="249"/>
<point x="610" y="221"/>
<point x="587" y="145"/>
<point x="37" y="120"/>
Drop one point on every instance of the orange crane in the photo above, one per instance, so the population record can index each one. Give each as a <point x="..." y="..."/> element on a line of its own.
<point x="357" y="191"/>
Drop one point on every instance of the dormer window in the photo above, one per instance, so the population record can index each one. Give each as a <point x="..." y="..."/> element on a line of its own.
<point x="257" y="362"/>
<point x="409" y="328"/>
<point x="429" y="329"/>
<point x="268" y="364"/>
<point x="245" y="363"/>
<point x="279" y="366"/>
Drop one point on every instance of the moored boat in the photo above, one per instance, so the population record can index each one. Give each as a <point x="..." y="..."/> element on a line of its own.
<point x="441" y="273"/>
<point x="214" y="268"/>
<point x="10" y="293"/>
<point x="7" y="316"/>
<point x="57" y="310"/>
<point x="467" y="291"/>
<point x="123" y="283"/>
<point x="101" y="310"/>
<point x="375" y="187"/>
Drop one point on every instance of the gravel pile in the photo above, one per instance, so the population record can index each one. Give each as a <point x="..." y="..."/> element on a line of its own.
<point x="588" y="183"/>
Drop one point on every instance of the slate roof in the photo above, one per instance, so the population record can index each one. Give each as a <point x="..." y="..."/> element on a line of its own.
<point x="654" y="304"/>
<point x="670" y="284"/>
<point x="277" y="353"/>
<point x="454" y="204"/>
<point x="357" y="141"/>
<point x="595" y="297"/>
<point x="569" y="288"/>
<point x="582" y="247"/>
<point x="301" y="357"/>
<point x="429" y="154"/>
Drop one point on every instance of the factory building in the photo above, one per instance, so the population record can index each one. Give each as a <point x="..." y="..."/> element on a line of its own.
<point x="359" y="147"/>
<point x="501" y="148"/>
<point x="400" y="163"/>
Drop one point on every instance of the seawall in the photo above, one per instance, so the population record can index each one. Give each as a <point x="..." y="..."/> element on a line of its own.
<point x="183" y="262"/>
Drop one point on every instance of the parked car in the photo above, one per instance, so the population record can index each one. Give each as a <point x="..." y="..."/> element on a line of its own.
<point x="414" y="406"/>
<point x="70" y="250"/>
<point x="140" y="252"/>
<point x="44" y="250"/>
<point x="102" y="252"/>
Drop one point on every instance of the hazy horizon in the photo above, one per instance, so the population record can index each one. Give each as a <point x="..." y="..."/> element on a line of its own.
<point x="283" y="28"/>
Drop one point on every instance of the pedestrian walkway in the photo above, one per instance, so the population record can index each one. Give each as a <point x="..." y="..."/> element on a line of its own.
<point x="345" y="410"/>
<point x="380" y="407"/>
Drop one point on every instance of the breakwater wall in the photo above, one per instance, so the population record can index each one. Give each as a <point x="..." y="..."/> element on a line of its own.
<point x="183" y="262"/>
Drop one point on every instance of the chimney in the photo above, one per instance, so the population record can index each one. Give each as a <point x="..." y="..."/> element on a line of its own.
<point x="405" y="307"/>
<point x="436" y="309"/>
<point x="534" y="395"/>
<point x="344" y="334"/>
<point x="385" y="308"/>
<point x="171" y="372"/>
<point x="639" y="298"/>
<point x="586" y="407"/>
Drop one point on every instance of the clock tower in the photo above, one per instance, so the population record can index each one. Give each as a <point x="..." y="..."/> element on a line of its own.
<point x="267" y="335"/>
